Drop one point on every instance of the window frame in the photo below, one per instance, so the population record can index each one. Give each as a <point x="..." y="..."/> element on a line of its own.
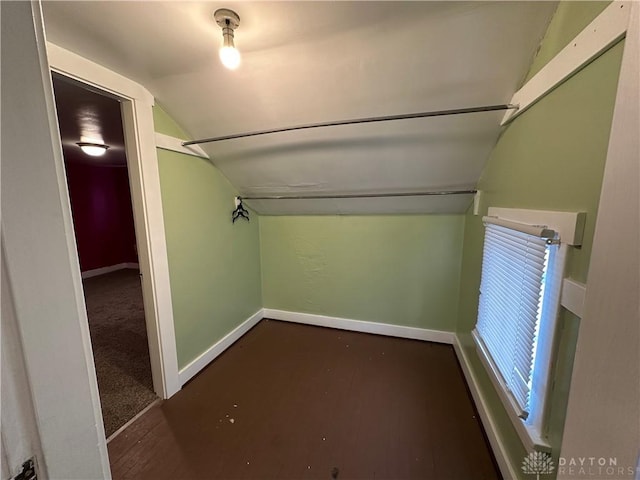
<point x="569" y="227"/>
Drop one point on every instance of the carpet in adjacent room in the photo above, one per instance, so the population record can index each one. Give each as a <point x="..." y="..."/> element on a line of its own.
<point x="120" y="350"/>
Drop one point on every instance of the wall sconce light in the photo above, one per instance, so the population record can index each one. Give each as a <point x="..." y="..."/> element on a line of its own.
<point x="228" y="21"/>
<point x="93" y="149"/>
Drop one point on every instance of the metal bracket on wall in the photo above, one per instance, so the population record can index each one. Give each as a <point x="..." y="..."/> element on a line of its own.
<point x="28" y="471"/>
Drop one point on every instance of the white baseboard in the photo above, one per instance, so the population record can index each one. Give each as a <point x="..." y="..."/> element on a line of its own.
<point x="188" y="372"/>
<point x="111" y="268"/>
<point x="495" y="440"/>
<point x="438" y="336"/>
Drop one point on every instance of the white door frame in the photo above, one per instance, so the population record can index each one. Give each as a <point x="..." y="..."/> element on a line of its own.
<point x="137" y="119"/>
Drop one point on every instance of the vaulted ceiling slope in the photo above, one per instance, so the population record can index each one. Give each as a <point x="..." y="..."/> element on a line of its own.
<point x="308" y="62"/>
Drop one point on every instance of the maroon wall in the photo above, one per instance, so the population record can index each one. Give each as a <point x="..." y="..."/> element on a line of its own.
<point x="102" y="214"/>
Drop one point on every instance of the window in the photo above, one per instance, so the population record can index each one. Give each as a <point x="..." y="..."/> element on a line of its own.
<point x="519" y="296"/>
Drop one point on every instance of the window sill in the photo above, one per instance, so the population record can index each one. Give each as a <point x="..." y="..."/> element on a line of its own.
<point x="529" y="435"/>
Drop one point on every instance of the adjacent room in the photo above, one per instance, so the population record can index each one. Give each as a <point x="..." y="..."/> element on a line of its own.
<point x="99" y="193"/>
<point x="332" y="240"/>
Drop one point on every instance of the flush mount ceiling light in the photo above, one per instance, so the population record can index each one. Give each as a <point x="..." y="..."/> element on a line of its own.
<point x="93" y="149"/>
<point x="228" y="21"/>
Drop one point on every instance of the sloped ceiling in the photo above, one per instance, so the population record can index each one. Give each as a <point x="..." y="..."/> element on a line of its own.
<point x="88" y="116"/>
<point x="308" y="62"/>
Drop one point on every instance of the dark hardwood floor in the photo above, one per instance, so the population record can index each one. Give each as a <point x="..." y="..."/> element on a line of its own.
<point x="290" y="401"/>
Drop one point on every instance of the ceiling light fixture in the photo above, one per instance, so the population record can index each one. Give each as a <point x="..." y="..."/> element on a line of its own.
<point x="93" y="149"/>
<point x="228" y="21"/>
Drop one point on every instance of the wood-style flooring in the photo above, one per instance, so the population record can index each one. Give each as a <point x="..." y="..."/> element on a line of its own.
<point x="290" y="401"/>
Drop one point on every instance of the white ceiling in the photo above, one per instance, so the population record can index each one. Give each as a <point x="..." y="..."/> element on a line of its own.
<point x="307" y="62"/>
<point x="88" y="116"/>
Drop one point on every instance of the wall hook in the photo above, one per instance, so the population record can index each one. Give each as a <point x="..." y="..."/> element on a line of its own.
<point x="240" y="211"/>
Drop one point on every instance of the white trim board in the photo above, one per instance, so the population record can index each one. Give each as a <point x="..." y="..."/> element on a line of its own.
<point x="413" y="333"/>
<point x="530" y="438"/>
<point x="69" y="63"/>
<point x="209" y="355"/>
<point x="573" y="295"/>
<point x="108" y="269"/>
<point x="604" y="31"/>
<point x="569" y="225"/>
<point x="173" y="144"/>
<point x="191" y="370"/>
<point x="493" y="433"/>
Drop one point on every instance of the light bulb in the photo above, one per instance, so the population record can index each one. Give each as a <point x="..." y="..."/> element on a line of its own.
<point x="230" y="57"/>
<point x="93" y="149"/>
<point x="228" y="21"/>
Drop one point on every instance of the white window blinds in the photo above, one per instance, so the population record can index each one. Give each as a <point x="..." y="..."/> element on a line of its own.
<point x="511" y="292"/>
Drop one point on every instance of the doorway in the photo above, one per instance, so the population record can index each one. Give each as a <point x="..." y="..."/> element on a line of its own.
<point x="136" y="104"/>
<point x="100" y="196"/>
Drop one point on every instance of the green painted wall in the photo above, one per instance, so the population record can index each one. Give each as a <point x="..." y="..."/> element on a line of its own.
<point x="550" y="158"/>
<point x="568" y="21"/>
<point x="402" y="270"/>
<point x="214" y="265"/>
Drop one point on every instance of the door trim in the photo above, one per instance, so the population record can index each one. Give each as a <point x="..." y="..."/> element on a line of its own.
<point x="137" y="119"/>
